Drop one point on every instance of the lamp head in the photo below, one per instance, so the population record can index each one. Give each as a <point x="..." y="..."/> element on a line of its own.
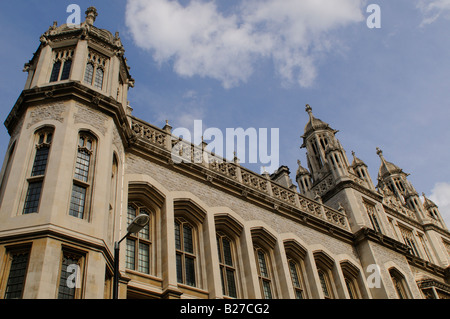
<point x="138" y="223"/>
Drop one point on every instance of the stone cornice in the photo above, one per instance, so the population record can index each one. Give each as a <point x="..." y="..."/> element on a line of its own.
<point x="61" y="234"/>
<point x="425" y="265"/>
<point x="69" y="91"/>
<point x="428" y="283"/>
<point x="371" y="235"/>
<point x="351" y="184"/>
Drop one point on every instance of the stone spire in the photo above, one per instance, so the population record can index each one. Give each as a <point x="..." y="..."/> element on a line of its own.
<point x="387" y="168"/>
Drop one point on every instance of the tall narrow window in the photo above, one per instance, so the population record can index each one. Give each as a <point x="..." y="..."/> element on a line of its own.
<point x="99" y="78"/>
<point x="55" y="71"/>
<point x="294" y="268"/>
<point x="35" y="181"/>
<point x="351" y="277"/>
<point x="66" y="70"/>
<point x="264" y="273"/>
<point x="409" y="240"/>
<point x="70" y="276"/>
<point x="351" y="288"/>
<point x="82" y="181"/>
<point x="399" y="284"/>
<point x="18" y="264"/>
<point x="62" y="64"/>
<point x="227" y="266"/>
<point x="138" y="246"/>
<point x="95" y="69"/>
<point x="373" y="216"/>
<point x="423" y="241"/>
<point x="89" y="74"/>
<point x="185" y="252"/>
<point x="325" y="283"/>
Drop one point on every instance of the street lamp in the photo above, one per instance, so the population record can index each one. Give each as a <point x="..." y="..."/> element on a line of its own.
<point x="135" y="227"/>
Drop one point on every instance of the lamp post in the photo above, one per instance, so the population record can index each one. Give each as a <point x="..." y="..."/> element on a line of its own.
<point x="135" y="227"/>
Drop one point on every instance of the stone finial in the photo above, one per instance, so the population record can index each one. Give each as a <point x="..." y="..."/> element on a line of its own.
<point x="379" y="151"/>
<point x="91" y="15"/>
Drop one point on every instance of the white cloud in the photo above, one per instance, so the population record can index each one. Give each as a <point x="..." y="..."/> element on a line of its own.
<point x="432" y="10"/>
<point x="200" y="40"/>
<point x="440" y="195"/>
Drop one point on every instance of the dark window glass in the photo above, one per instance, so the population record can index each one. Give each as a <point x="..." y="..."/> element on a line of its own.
<point x="144" y="258"/>
<point x="231" y="283"/>
<point x="78" y="201"/>
<point x="267" y="290"/>
<point x="82" y="165"/>
<point x="185" y="253"/>
<point x="177" y="236"/>
<point x="32" y="198"/>
<point x="55" y="71"/>
<point x="17" y="273"/>
<point x="179" y="268"/>
<point x="227" y="270"/>
<point x="98" y="83"/>
<point x="40" y="161"/>
<point x="66" y="70"/>
<point x="89" y="74"/>
<point x="190" y="270"/>
<point x="323" y="283"/>
<point x="130" y="253"/>
<point x="187" y="240"/>
<point x="262" y="264"/>
<point x="65" y="292"/>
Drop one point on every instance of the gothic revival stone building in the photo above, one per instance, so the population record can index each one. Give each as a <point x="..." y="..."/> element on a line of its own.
<point x="79" y="167"/>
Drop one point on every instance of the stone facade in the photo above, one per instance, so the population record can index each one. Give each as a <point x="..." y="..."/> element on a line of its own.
<point x="79" y="167"/>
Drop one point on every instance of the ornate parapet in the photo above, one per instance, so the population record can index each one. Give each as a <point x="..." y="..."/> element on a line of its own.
<point x="322" y="187"/>
<point x="182" y="151"/>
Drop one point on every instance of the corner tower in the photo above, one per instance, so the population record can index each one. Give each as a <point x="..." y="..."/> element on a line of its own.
<point x="333" y="180"/>
<point x="60" y="182"/>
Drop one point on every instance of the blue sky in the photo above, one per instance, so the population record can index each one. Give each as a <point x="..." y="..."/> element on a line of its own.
<point x="233" y="63"/>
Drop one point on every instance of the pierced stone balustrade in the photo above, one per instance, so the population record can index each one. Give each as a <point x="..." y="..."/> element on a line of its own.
<point x="196" y="155"/>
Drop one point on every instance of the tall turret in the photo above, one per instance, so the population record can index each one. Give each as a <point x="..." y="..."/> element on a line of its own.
<point x="63" y="167"/>
<point x="325" y="153"/>
<point x="84" y="54"/>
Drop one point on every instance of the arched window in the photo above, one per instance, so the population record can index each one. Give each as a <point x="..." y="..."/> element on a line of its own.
<point x="66" y="70"/>
<point x="371" y="211"/>
<point x="95" y="69"/>
<point x="139" y="246"/>
<point x="264" y="272"/>
<point x="351" y="288"/>
<point x="44" y="139"/>
<point x="83" y="176"/>
<point x="99" y="78"/>
<point x="325" y="283"/>
<point x="55" y="71"/>
<point x="62" y="64"/>
<point x="399" y="283"/>
<point x="296" y="276"/>
<point x="351" y="276"/>
<point x="296" y="255"/>
<point x="227" y="265"/>
<point x="410" y="241"/>
<point x="89" y="73"/>
<point x="186" y="256"/>
<point x="325" y="265"/>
